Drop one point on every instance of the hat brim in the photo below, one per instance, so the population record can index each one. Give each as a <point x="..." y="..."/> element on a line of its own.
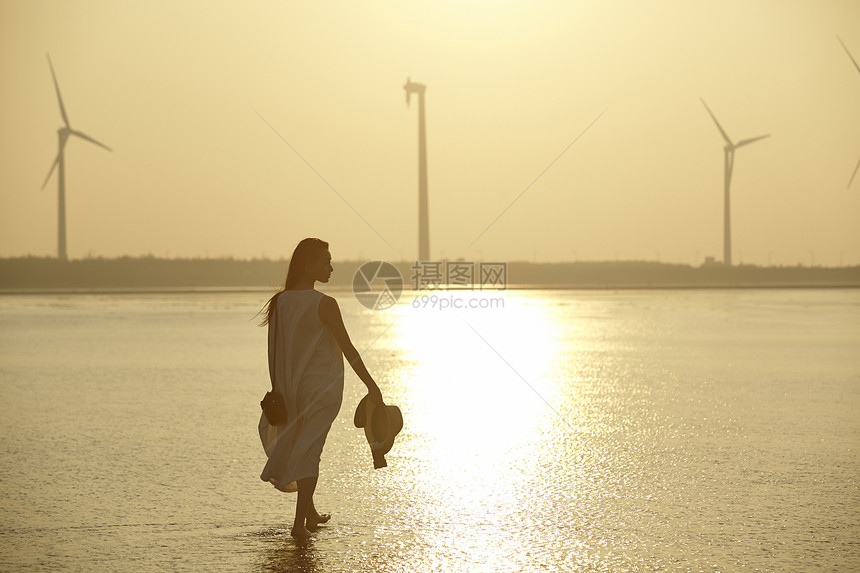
<point x="360" y="416"/>
<point x="382" y="425"/>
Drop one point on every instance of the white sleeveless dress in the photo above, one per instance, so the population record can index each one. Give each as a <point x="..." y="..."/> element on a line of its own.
<point x="310" y="377"/>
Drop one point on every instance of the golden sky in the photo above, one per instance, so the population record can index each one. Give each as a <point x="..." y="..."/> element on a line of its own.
<point x="175" y="88"/>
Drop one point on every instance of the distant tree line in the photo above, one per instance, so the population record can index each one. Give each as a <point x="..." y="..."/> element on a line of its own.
<point x="33" y="273"/>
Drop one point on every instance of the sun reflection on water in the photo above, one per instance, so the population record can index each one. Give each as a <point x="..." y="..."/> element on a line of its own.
<point x="480" y="397"/>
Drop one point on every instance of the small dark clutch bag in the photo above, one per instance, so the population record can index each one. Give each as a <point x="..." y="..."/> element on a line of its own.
<point x="274" y="408"/>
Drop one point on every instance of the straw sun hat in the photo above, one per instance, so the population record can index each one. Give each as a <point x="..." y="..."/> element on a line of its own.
<point x="381" y="424"/>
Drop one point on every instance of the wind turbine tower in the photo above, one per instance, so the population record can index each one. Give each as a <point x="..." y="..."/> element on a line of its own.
<point x="423" y="217"/>
<point x="729" y="166"/>
<point x="60" y="164"/>
<point x="856" y="65"/>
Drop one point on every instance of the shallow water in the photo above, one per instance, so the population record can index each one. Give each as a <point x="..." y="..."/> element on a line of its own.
<point x="700" y="430"/>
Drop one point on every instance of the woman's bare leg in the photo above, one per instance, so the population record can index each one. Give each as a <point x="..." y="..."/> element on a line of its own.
<point x="304" y="501"/>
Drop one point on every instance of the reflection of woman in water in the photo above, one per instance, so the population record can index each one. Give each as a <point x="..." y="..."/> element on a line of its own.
<point x="307" y="367"/>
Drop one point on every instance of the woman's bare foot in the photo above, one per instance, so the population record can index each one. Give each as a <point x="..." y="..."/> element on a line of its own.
<point x="300" y="533"/>
<point x="312" y="521"/>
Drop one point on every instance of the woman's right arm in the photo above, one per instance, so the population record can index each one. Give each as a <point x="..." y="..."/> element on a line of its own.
<point x="329" y="313"/>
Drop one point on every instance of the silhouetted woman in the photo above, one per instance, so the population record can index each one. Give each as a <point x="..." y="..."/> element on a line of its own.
<point x="307" y="366"/>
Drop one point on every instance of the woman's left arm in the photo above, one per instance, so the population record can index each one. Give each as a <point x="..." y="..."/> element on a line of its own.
<point x="329" y="314"/>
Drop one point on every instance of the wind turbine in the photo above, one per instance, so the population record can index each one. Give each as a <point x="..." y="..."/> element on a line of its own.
<point x="423" y="218"/>
<point x="729" y="165"/>
<point x="856" y="65"/>
<point x="59" y="163"/>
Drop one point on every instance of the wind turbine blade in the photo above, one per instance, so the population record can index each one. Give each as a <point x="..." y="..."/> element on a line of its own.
<point x="720" y="127"/>
<point x="90" y="139"/>
<point x="856" y="167"/>
<point x="59" y="97"/>
<point x="856" y="65"/>
<point x="54" y="166"/>
<point x="751" y="140"/>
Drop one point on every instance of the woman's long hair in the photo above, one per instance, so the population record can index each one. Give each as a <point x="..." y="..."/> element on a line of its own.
<point x="306" y="252"/>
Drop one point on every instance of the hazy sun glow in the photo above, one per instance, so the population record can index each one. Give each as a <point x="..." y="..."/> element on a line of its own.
<point x="176" y="94"/>
<point x="479" y="377"/>
<point x="478" y="382"/>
